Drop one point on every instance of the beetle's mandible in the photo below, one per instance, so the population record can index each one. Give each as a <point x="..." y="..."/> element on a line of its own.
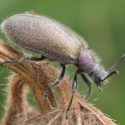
<point x="56" y="42"/>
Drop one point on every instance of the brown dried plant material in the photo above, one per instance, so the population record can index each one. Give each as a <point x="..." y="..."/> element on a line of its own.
<point x="38" y="75"/>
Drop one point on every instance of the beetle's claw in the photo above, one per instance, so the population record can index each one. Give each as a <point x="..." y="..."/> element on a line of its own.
<point x="47" y="90"/>
<point x="56" y="82"/>
<point x="88" y="93"/>
<point x="46" y="94"/>
<point x="117" y="71"/>
<point x="100" y="89"/>
<point x="66" y="115"/>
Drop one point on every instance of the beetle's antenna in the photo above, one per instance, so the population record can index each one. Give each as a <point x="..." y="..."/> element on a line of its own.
<point x="113" y="69"/>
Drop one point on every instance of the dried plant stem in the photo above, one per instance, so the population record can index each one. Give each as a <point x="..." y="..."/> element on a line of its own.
<point x="16" y="101"/>
<point x="38" y="76"/>
<point x="28" y="71"/>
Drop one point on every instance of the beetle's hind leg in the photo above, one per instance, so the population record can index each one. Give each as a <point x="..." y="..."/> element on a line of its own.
<point x="36" y="58"/>
<point x="61" y="76"/>
<point x="13" y="62"/>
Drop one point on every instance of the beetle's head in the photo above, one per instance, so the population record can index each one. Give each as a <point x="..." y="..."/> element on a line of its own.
<point x="89" y="64"/>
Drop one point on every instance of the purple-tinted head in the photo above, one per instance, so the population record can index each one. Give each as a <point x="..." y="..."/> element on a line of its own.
<point x="89" y="64"/>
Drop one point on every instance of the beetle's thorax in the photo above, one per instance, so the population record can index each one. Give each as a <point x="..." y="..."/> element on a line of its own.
<point x="89" y="64"/>
<point x="86" y="60"/>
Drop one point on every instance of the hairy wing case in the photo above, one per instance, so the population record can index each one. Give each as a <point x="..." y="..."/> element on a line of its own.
<point x="44" y="35"/>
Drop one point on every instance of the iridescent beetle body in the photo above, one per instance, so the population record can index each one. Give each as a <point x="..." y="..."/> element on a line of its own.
<point x="56" y="43"/>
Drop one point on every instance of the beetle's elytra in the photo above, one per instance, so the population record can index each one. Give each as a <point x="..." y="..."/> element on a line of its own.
<point x="56" y="42"/>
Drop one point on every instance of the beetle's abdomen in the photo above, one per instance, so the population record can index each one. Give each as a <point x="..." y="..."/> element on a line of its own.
<point x="43" y="35"/>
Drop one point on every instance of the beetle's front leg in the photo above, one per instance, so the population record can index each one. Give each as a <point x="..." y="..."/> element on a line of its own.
<point x="36" y="58"/>
<point x="88" y="82"/>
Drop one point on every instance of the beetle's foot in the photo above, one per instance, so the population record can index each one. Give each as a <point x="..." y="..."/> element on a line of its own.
<point x="56" y="83"/>
<point x="47" y="91"/>
<point x="66" y="115"/>
<point x="49" y="87"/>
<point x="88" y="93"/>
<point x="100" y="89"/>
<point x="46" y="94"/>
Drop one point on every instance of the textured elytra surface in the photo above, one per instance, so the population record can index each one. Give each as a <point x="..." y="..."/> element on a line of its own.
<point x="44" y="35"/>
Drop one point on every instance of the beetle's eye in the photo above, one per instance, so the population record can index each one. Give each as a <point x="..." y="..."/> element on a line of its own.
<point x="98" y="80"/>
<point x="97" y="74"/>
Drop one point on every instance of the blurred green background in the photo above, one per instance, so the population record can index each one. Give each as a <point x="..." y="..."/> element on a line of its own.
<point x="102" y="24"/>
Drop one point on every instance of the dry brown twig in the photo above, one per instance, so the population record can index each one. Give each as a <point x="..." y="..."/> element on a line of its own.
<point x="38" y="76"/>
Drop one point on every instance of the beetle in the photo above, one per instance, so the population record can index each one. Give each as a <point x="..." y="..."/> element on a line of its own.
<point x="56" y="42"/>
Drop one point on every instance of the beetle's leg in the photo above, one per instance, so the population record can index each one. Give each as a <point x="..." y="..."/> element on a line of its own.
<point x="22" y="59"/>
<point x="10" y="62"/>
<point x="74" y="86"/>
<point x="36" y="58"/>
<point x="88" y="82"/>
<point x="61" y="76"/>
